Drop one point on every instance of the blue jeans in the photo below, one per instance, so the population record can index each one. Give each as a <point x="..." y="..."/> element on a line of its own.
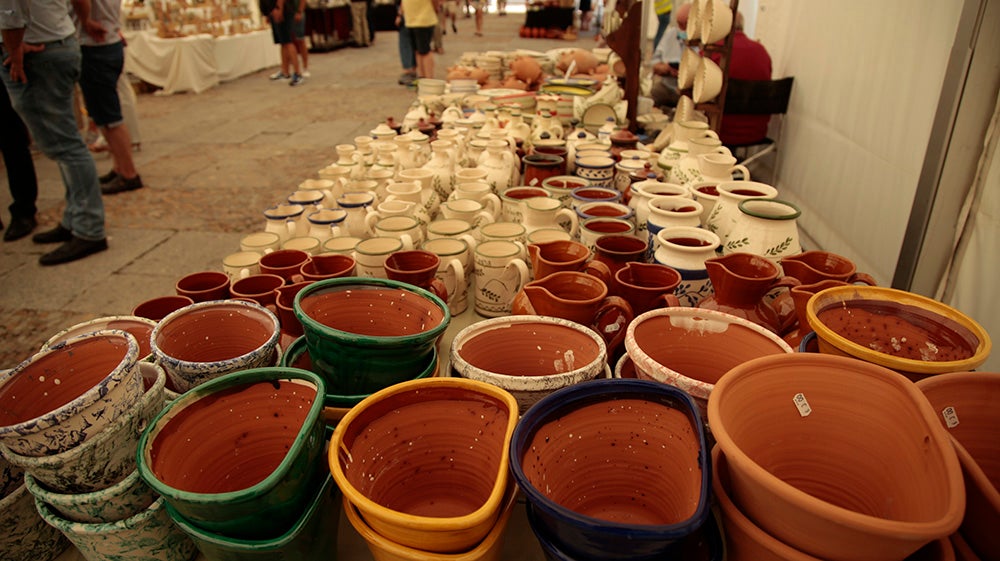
<point x="45" y="104"/>
<point x="407" y="56"/>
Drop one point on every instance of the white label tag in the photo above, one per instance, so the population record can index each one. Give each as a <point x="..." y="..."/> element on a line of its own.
<point x="950" y="417"/>
<point x="802" y="405"/>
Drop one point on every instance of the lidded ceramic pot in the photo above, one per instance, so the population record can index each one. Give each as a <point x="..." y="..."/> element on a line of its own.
<point x="836" y="457"/>
<point x="239" y="455"/>
<point x="66" y="394"/>
<point x="614" y="469"/>
<point x="426" y="461"/>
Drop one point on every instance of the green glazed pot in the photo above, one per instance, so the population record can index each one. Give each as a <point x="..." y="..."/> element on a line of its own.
<point x="366" y="334"/>
<point x="313" y="535"/>
<point x="238" y="455"/>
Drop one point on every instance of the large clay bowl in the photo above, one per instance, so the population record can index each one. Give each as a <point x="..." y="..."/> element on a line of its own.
<point x="425" y="461"/>
<point x="383" y="549"/>
<point x="141" y="328"/>
<point x="65" y="395"/>
<point x="529" y="356"/>
<point x="968" y="406"/>
<point x="122" y="500"/>
<point x="25" y="536"/>
<point x="909" y="333"/>
<point x="614" y="469"/>
<point x="209" y="339"/>
<point x="836" y="457"/>
<point x="105" y="459"/>
<point x="745" y="541"/>
<point x="691" y="348"/>
<point x="148" y="536"/>
<point x="238" y="455"/>
<point x="312" y="536"/>
<point x="335" y="406"/>
<point x="365" y="334"/>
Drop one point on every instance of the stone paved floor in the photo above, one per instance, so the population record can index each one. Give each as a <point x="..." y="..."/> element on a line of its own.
<point x="211" y="163"/>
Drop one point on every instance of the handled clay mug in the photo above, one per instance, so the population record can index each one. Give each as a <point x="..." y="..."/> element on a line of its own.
<point x="417" y="267"/>
<point x="814" y="266"/>
<point x="648" y="286"/>
<point x="564" y="255"/>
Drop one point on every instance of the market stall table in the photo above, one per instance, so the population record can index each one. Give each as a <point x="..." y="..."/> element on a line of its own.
<point x="197" y="62"/>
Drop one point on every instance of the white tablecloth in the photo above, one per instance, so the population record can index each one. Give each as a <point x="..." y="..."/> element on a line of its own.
<point x="197" y="62"/>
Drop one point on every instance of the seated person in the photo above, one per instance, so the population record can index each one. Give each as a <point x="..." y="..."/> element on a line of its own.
<point x="666" y="57"/>
<point x="748" y="61"/>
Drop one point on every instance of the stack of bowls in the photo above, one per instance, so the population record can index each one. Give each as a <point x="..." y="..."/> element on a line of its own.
<point x="425" y="463"/>
<point x="834" y="458"/>
<point x="91" y="492"/>
<point x="26" y="537"/>
<point x="613" y="470"/>
<point x="237" y="461"/>
<point x="366" y="334"/>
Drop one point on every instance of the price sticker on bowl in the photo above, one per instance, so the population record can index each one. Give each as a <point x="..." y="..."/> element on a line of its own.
<point x="802" y="404"/>
<point x="950" y="417"/>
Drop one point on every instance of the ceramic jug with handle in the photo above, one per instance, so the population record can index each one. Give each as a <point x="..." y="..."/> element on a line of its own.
<point x="740" y="282"/>
<point x="726" y="211"/>
<point x="498" y="161"/>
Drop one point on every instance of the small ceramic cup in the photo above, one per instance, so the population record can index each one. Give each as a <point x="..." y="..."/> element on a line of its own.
<point x="512" y="202"/>
<point x="371" y="254"/>
<point x="308" y="244"/>
<point x="500" y="274"/>
<point x="260" y="242"/>
<point x="454" y="270"/>
<point x="241" y="264"/>
<point x="258" y="288"/>
<point x="344" y="245"/>
<point x="157" y="308"/>
<point x="593" y="228"/>
<point x="285" y="263"/>
<point x="328" y="266"/>
<point x="203" y="286"/>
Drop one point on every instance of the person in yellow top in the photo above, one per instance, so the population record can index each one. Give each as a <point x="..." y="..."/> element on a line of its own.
<point x="662" y="9"/>
<point x="420" y="17"/>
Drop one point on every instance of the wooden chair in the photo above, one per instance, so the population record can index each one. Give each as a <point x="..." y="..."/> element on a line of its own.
<point x="757" y="97"/>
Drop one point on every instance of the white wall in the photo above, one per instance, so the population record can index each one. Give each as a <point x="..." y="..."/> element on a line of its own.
<point x="867" y="81"/>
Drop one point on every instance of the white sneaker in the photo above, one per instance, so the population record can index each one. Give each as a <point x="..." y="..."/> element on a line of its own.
<point x="279" y="75"/>
<point x="306" y="74"/>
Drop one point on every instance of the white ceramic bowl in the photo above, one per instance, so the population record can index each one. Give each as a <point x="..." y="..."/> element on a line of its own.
<point x="688" y="68"/>
<point x="65" y="395"/>
<point x="529" y="356"/>
<point x="716" y="21"/>
<point x="707" y="81"/>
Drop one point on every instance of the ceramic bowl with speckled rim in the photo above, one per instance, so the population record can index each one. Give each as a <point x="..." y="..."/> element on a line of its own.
<point x="122" y="500"/>
<point x="67" y="394"/>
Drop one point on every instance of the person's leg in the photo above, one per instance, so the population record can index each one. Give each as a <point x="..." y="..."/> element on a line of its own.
<point x="407" y="56"/>
<point x="127" y="98"/>
<point x="479" y="18"/>
<point x="101" y="66"/>
<point x="425" y="56"/>
<point x="16" y="147"/>
<point x="45" y="103"/>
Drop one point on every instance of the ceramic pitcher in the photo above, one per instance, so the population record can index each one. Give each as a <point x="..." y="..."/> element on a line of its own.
<point x="643" y="191"/>
<point x="410" y="192"/>
<point x="686" y="249"/>
<point x="815" y="265"/>
<point x="688" y="170"/>
<point x="425" y="178"/>
<point x="326" y="223"/>
<point x="481" y="192"/>
<point x="356" y="205"/>
<point x="764" y="227"/>
<point x="283" y="219"/>
<point x="726" y="211"/>
<point x="442" y="166"/>
<point x="740" y="282"/>
<point x="498" y="162"/>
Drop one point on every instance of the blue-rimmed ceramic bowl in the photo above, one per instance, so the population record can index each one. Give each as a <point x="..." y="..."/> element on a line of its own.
<point x="238" y="455"/>
<point x="614" y="469"/>
<point x="365" y="334"/>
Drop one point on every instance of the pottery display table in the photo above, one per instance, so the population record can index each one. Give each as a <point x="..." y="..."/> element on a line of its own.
<point x="197" y="62"/>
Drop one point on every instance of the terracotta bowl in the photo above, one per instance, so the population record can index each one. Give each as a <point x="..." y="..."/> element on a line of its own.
<point x="122" y="500"/>
<point x="365" y="334"/>
<point x="529" y="356"/>
<point x="140" y="328"/>
<point x="67" y="394"/>
<point x="103" y="460"/>
<point x="745" y="541"/>
<point x="614" y="469"/>
<point x="311" y="536"/>
<point x="160" y="538"/>
<point x="336" y="406"/>
<point x="205" y="340"/>
<point x="239" y="455"/>
<point x="425" y="461"/>
<point x="836" y="457"/>
<point x="691" y="348"/>
<point x="25" y="536"/>
<point x="924" y="337"/>
<point x="383" y="549"/>
<point x="968" y="406"/>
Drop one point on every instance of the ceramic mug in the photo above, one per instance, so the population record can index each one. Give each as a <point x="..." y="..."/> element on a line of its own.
<point x="511" y="231"/>
<point x="469" y="210"/>
<point x="307" y="244"/>
<point x="599" y="170"/>
<point x="285" y="263"/>
<point x="454" y="270"/>
<point x="406" y="228"/>
<point x="500" y="275"/>
<point x="605" y="210"/>
<point x="478" y="191"/>
<point x="260" y="242"/>
<point x="241" y="264"/>
<point x="327" y="266"/>
<point x="512" y="202"/>
<point x="594" y="194"/>
<point x="453" y="228"/>
<point x="467" y="175"/>
<point x="343" y="245"/>
<point x="310" y="201"/>
<point x="561" y="187"/>
<point x="721" y="166"/>
<point x="593" y="228"/>
<point x="543" y="235"/>
<point x="418" y="267"/>
<point x="371" y="254"/>
<point x="259" y="288"/>
<point x="159" y="307"/>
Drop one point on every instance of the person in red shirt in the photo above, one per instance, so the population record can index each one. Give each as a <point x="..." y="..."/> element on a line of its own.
<point x="748" y="61"/>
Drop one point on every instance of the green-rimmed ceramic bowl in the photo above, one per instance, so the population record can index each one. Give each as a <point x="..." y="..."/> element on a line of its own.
<point x="365" y="334"/>
<point x="312" y="536"/>
<point x="238" y="455"/>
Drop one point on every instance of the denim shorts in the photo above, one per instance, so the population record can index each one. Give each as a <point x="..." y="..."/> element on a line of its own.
<point x="99" y="71"/>
<point x="283" y="32"/>
<point x="300" y="28"/>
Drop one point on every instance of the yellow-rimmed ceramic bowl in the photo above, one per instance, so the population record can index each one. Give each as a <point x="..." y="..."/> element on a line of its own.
<point x="426" y="461"/>
<point x="913" y="335"/>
